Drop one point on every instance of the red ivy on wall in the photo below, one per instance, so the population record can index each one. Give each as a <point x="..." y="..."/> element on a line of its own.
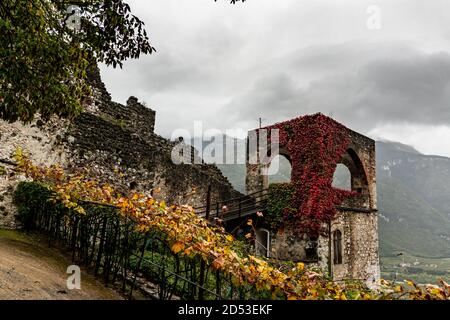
<point x="316" y="144"/>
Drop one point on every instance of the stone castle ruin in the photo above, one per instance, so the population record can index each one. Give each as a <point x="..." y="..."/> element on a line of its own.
<point x="118" y="145"/>
<point x="350" y="248"/>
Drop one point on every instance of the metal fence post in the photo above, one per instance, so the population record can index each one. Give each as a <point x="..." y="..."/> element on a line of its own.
<point x="201" y="292"/>
<point x="100" y="248"/>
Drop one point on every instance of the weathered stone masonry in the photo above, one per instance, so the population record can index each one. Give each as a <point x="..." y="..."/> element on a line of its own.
<point x="118" y="145"/>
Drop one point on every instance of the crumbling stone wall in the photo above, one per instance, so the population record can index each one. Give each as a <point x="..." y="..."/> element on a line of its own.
<point x="287" y="246"/>
<point x="42" y="141"/>
<point x="145" y="163"/>
<point x="8" y="211"/>
<point x="133" y="117"/>
<point x="117" y="144"/>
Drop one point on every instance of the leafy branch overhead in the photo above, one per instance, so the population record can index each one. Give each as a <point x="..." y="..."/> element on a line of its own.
<point x="47" y="47"/>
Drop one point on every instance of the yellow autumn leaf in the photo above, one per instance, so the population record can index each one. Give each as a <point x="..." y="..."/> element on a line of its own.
<point x="218" y="263"/>
<point x="177" y="246"/>
<point x="135" y="197"/>
<point x="366" y="297"/>
<point x="80" y="210"/>
<point x="409" y="283"/>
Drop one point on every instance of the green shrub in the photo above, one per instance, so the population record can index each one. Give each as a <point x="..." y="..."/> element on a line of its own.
<point x="279" y="201"/>
<point x="32" y="198"/>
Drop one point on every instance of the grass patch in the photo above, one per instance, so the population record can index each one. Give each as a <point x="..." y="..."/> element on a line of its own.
<point x="16" y="235"/>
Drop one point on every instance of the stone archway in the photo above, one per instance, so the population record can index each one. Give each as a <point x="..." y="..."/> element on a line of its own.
<point x="359" y="158"/>
<point x="359" y="181"/>
<point x="354" y="216"/>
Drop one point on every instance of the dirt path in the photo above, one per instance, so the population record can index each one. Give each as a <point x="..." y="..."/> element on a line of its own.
<point x="30" y="270"/>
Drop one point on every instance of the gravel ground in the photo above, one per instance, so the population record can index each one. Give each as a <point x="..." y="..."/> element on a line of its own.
<point x="29" y="270"/>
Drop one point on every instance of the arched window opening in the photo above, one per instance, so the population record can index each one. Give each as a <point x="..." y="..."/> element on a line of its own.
<point x="279" y="170"/>
<point x="358" y="176"/>
<point x="337" y="247"/>
<point x="262" y="242"/>
<point x="342" y="178"/>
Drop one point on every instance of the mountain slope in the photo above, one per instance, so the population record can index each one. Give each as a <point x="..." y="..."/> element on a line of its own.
<point x="413" y="197"/>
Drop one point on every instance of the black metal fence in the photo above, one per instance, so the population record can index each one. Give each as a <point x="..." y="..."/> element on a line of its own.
<point x="107" y="244"/>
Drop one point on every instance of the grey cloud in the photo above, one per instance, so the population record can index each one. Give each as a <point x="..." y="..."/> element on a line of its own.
<point x="413" y="87"/>
<point x="229" y="65"/>
<point x="415" y="90"/>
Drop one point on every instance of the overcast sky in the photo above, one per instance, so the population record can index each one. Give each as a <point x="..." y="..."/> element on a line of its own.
<point x="229" y="65"/>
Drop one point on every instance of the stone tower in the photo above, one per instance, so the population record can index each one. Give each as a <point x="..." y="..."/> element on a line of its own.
<point x="349" y="250"/>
